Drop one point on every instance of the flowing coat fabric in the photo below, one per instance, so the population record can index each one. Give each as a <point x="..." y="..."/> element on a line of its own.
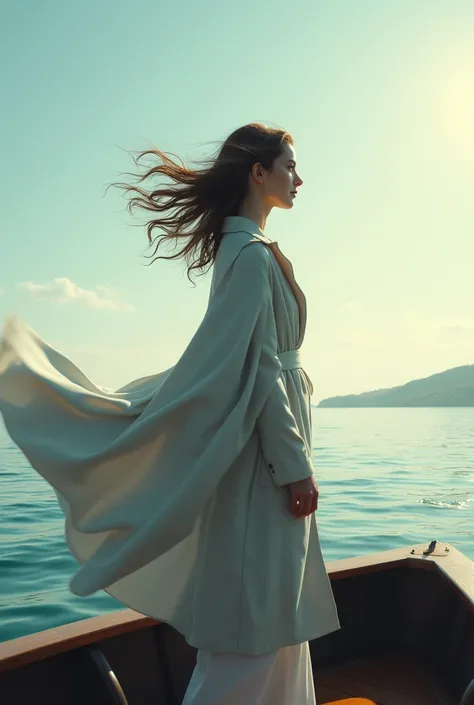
<point x="173" y="486"/>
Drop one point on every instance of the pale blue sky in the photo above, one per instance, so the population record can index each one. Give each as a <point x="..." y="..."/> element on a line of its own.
<point x="379" y="96"/>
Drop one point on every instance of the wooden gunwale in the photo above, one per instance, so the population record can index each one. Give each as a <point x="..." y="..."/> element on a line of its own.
<point x="456" y="568"/>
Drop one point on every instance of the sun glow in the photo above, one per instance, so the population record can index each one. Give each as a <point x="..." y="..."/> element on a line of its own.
<point x="455" y="97"/>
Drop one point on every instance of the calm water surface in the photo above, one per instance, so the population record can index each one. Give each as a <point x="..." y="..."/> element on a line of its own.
<point x="387" y="478"/>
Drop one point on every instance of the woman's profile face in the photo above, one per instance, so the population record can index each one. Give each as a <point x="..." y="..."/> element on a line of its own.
<point x="281" y="183"/>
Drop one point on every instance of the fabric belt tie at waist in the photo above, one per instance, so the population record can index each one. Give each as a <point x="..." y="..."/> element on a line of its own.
<point x="291" y="359"/>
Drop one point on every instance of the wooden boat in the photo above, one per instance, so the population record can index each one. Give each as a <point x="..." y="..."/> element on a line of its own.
<point x="406" y="638"/>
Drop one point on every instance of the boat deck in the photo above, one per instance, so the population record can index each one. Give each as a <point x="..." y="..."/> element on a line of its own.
<point x="398" y="679"/>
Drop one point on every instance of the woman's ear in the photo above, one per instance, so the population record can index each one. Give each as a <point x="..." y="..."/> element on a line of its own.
<point x="257" y="172"/>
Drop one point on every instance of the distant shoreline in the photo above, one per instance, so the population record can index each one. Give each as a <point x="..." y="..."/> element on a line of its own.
<point x="453" y="388"/>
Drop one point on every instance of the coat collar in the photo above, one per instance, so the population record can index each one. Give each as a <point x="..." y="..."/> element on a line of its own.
<point x="240" y="224"/>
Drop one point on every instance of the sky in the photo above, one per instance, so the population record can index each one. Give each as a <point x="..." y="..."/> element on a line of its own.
<point x="379" y="97"/>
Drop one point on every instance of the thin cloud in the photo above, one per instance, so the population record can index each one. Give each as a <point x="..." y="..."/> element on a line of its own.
<point x="456" y="330"/>
<point x="64" y="291"/>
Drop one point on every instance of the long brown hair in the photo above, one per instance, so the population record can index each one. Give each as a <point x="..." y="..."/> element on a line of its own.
<point x="194" y="207"/>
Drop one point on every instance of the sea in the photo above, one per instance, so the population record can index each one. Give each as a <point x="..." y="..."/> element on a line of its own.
<point x="388" y="478"/>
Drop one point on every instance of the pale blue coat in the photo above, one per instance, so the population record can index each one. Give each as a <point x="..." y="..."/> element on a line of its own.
<point x="173" y="486"/>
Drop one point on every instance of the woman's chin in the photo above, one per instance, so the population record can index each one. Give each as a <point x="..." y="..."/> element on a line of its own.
<point x="286" y="204"/>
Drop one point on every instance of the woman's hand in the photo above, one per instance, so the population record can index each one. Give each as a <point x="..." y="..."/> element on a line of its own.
<point x="303" y="496"/>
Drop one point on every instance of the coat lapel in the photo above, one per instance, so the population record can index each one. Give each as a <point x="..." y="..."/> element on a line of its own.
<point x="238" y="225"/>
<point x="287" y="269"/>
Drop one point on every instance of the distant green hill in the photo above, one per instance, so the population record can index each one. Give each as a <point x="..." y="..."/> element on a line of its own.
<point x="454" y="387"/>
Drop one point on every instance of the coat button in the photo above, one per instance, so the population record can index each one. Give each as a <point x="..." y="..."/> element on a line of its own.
<point x="270" y="465"/>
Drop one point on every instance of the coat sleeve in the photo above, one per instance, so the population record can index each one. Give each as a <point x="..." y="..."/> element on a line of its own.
<point x="284" y="448"/>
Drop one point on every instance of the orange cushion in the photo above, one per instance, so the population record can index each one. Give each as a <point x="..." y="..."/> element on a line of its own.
<point x="351" y="701"/>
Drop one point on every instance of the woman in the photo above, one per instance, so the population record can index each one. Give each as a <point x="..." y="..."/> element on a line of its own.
<point x="190" y="495"/>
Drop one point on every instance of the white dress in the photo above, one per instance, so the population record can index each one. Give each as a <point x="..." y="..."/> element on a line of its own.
<point x="283" y="677"/>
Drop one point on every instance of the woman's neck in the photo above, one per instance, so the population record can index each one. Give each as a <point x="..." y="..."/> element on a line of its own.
<point x="255" y="210"/>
